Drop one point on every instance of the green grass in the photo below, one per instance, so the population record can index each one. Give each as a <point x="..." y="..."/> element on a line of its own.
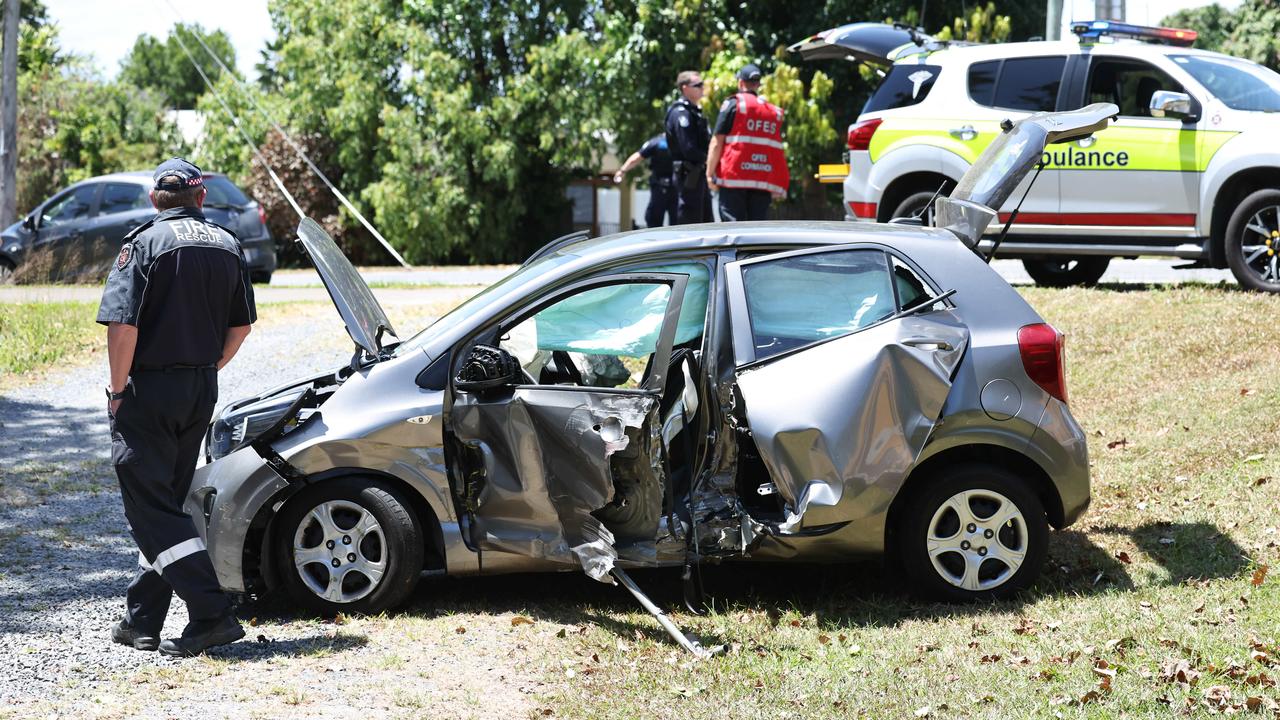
<point x="33" y="335"/>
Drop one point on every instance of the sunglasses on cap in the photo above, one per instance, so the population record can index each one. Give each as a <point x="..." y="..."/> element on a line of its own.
<point x="694" y="85"/>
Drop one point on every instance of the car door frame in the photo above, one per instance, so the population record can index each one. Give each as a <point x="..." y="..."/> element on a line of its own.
<point x="745" y="359"/>
<point x="590" y="549"/>
<point x="60" y="252"/>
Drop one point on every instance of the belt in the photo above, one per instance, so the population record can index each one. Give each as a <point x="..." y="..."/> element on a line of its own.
<point x="171" y="368"/>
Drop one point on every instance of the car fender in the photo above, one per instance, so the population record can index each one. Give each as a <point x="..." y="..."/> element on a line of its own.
<point x="904" y="159"/>
<point x="1254" y="149"/>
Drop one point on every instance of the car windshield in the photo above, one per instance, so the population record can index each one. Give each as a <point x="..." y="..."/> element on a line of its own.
<point x="1239" y="84"/>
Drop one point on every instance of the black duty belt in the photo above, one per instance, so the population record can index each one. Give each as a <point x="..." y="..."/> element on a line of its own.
<point x="172" y="368"/>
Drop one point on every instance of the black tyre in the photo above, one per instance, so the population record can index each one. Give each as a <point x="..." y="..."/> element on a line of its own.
<point x="976" y="533"/>
<point x="349" y="545"/>
<point x="6" y="271"/>
<point x="917" y="205"/>
<point x="1066" y="271"/>
<point x="1252" y="243"/>
<point x="260" y="277"/>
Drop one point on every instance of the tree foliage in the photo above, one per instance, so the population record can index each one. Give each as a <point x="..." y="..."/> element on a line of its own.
<point x="163" y="67"/>
<point x="1251" y="32"/>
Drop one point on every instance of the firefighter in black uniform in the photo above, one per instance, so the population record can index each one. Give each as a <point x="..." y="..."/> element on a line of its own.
<point x="177" y="305"/>
<point x="688" y="139"/>
<point x="662" y="196"/>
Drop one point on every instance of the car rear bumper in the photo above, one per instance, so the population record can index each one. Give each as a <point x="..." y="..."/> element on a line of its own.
<point x="260" y="254"/>
<point x="1060" y="446"/>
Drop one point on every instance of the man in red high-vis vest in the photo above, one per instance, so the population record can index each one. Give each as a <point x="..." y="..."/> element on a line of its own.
<point x="746" y="160"/>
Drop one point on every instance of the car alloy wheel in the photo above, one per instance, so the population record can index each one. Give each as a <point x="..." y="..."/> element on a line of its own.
<point x="350" y="544"/>
<point x="977" y="540"/>
<point x="340" y="551"/>
<point x="1253" y="241"/>
<point x="973" y="531"/>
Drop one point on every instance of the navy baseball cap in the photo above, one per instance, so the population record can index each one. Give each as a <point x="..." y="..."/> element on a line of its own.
<point x="750" y="73"/>
<point x="187" y="175"/>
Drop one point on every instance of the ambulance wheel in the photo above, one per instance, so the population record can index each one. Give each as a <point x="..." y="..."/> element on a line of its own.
<point x="1066" y="271"/>
<point x="1252" y="244"/>
<point x="916" y="204"/>
<point x="349" y="545"/>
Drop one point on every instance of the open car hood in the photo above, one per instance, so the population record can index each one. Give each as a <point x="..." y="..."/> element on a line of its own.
<point x="1006" y="162"/>
<point x="874" y="43"/>
<point x="366" y="321"/>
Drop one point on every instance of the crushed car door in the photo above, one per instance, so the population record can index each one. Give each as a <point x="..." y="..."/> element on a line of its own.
<point x="566" y="456"/>
<point x="844" y="358"/>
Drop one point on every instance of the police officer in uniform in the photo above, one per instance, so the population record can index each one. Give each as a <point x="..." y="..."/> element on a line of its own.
<point x="662" y="195"/>
<point x="746" y="160"/>
<point x="688" y="139"/>
<point x="177" y="305"/>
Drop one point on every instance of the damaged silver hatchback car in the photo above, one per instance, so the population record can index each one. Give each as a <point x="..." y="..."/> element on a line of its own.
<point x="765" y="391"/>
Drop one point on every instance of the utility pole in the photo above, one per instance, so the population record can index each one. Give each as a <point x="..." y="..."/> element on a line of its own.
<point x="9" y="117"/>
<point x="1053" y="20"/>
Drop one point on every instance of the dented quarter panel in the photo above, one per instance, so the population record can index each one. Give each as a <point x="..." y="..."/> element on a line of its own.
<point x="241" y="484"/>
<point x="840" y="424"/>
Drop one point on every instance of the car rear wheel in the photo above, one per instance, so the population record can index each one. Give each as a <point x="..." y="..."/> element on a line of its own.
<point x="260" y="277"/>
<point x="1066" y="271"/>
<point x="349" y="545"/>
<point x="976" y="533"/>
<point x="1253" y="241"/>
<point x="916" y="205"/>
<point x="6" y="271"/>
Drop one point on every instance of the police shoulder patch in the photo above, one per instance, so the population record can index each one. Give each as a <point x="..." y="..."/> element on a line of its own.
<point x="126" y="254"/>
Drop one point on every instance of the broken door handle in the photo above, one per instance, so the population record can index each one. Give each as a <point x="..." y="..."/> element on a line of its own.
<point x="928" y="344"/>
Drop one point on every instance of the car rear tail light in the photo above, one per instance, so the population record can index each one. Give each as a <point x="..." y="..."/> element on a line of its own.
<point x="860" y="133"/>
<point x="1041" y="347"/>
<point x="262" y="215"/>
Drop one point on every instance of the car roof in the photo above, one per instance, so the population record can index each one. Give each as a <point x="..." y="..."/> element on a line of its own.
<point x="136" y="177"/>
<point x="712" y="236"/>
<point x="1034" y="48"/>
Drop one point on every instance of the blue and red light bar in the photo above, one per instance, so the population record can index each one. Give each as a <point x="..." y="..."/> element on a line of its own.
<point x="1094" y="29"/>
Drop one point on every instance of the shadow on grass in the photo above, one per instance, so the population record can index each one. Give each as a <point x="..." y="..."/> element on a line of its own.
<point x="844" y="595"/>
<point x="256" y="646"/>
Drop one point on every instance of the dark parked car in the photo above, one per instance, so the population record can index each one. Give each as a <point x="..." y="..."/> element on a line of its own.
<point x="79" y="230"/>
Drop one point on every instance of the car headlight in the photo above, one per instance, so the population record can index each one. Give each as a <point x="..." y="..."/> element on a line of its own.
<point x="240" y="426"/>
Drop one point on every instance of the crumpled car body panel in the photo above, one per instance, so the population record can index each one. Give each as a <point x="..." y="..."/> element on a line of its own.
<point x="839" y="425"/>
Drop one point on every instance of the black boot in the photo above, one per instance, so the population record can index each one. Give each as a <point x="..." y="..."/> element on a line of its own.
<point x="200" y="635"/>
<point x="126" y="634"/>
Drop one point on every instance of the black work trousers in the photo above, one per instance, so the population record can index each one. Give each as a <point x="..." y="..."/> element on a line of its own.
<point x="155" y="437"/>
<point x="693" y="203"/>
<point x="662" y="205"/>
<point x="737" y="204"/>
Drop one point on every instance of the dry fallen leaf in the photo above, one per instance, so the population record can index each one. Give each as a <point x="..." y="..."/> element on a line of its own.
<point x="795" y="623"/>
<point x="561" y="632"/>
<point x="1259" y="575"/>
<point x="823" y="639"/>
<point x="1123" y="557"/>
<point x="520" y="620"/>
<point x="1254" y="457"/>
<point x="1199" y="608"/>
<point x="1245" y="392"/>
<point x="1121" y="443"/>
<point x="460" y="630"/>
<point x="989" y="659"/>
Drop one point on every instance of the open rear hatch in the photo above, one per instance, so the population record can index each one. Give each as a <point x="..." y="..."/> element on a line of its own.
<point x="874" y="43"/>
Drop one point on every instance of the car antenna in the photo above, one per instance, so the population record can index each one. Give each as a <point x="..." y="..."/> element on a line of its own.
<point x="929" y="204"/>
<point x="1013" y="215"/>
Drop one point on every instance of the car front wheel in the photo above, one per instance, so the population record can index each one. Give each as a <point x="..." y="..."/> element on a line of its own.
<point x="1066" y="271"/>
<point x="6" y="271"/>
<point x="349" y="545"/>
<point x="976" y="533"/>
<point x="1253" y="241"/>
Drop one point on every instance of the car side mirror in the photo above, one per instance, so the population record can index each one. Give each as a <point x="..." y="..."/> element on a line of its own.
<point x="29" y="222"/>
<point x="488" y="368"/>
<point x="1165" y="103"/>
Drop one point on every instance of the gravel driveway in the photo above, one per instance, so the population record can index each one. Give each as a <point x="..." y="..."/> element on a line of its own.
<point x="69" y="558"/>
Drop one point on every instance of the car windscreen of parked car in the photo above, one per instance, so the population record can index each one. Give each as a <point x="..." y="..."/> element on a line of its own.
<point x="795" y="301"/>
<point x="222" y="191"/>
<point x="1239" y="84"/>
